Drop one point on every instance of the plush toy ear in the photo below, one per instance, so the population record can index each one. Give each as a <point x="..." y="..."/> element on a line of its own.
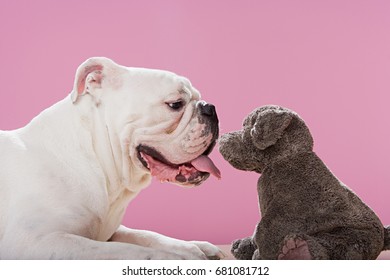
<point x="269" y="126"/>
<point x="89" y="75"/>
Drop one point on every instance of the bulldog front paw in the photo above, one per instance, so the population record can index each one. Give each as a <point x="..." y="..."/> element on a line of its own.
<point x="211" y="251"/>
<point x="243" y="249"/>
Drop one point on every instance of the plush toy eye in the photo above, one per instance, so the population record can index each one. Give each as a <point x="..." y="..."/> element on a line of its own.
<point x="177" y="105"/>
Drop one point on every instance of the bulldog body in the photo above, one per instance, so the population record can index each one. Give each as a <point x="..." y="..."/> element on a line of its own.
<point x="68" y="176"/>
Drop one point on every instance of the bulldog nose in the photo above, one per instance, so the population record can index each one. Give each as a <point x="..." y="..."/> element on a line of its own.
<point x="207" y="109"/>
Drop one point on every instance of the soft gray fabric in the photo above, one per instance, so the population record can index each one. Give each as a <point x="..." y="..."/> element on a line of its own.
<point x="307" y="213"/>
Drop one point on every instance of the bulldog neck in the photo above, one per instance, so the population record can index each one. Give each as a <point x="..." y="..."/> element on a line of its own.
<point x="111" y="150"/>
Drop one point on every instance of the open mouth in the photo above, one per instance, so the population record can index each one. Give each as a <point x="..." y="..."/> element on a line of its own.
<point x="193" y="172"/>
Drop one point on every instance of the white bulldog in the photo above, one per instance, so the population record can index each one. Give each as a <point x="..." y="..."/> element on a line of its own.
<point x="68" y="176"/>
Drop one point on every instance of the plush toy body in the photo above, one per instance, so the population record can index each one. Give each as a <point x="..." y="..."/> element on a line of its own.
<point x="307" y="213"/>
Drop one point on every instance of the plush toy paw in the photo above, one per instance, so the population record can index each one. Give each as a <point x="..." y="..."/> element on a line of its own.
<point x="243" y="249"/>
<point x="295" y="248"/>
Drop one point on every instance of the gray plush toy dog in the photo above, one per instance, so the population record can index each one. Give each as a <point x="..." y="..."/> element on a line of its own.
<point x="307" y="213"/>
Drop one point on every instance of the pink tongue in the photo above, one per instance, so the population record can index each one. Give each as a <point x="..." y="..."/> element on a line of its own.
<point x="165" y="172"/>
<point x="205" y="164"/>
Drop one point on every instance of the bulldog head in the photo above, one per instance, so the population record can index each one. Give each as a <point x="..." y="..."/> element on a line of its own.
<point x="155" y="120"/>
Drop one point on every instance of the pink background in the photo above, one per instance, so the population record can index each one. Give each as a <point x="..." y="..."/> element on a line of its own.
<point x="328" y="60"/>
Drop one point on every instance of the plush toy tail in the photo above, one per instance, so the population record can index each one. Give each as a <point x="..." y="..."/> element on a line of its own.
<point x="387" y="238"/>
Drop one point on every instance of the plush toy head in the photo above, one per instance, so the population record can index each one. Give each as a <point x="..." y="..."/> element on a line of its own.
<point x="269" y="133"/>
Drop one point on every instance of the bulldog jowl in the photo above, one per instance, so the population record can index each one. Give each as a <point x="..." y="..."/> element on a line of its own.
<point x="186" y="174"/>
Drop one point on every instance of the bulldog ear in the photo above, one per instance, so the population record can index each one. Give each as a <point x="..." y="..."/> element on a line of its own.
<point x="89" y="75"/>
<point x="269" y="126"/>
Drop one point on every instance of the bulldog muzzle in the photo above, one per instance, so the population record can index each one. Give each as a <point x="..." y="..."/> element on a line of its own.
<point x="191" y="173"/>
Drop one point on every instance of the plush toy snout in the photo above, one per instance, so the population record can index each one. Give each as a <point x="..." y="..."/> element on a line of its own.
<point x="239" y="151"/>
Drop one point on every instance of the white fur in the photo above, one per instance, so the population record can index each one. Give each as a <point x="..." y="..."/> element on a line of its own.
<point x="68" y="176"/>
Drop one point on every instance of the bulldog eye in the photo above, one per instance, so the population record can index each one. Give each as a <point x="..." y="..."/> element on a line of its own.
<point x="177" y="105"/>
